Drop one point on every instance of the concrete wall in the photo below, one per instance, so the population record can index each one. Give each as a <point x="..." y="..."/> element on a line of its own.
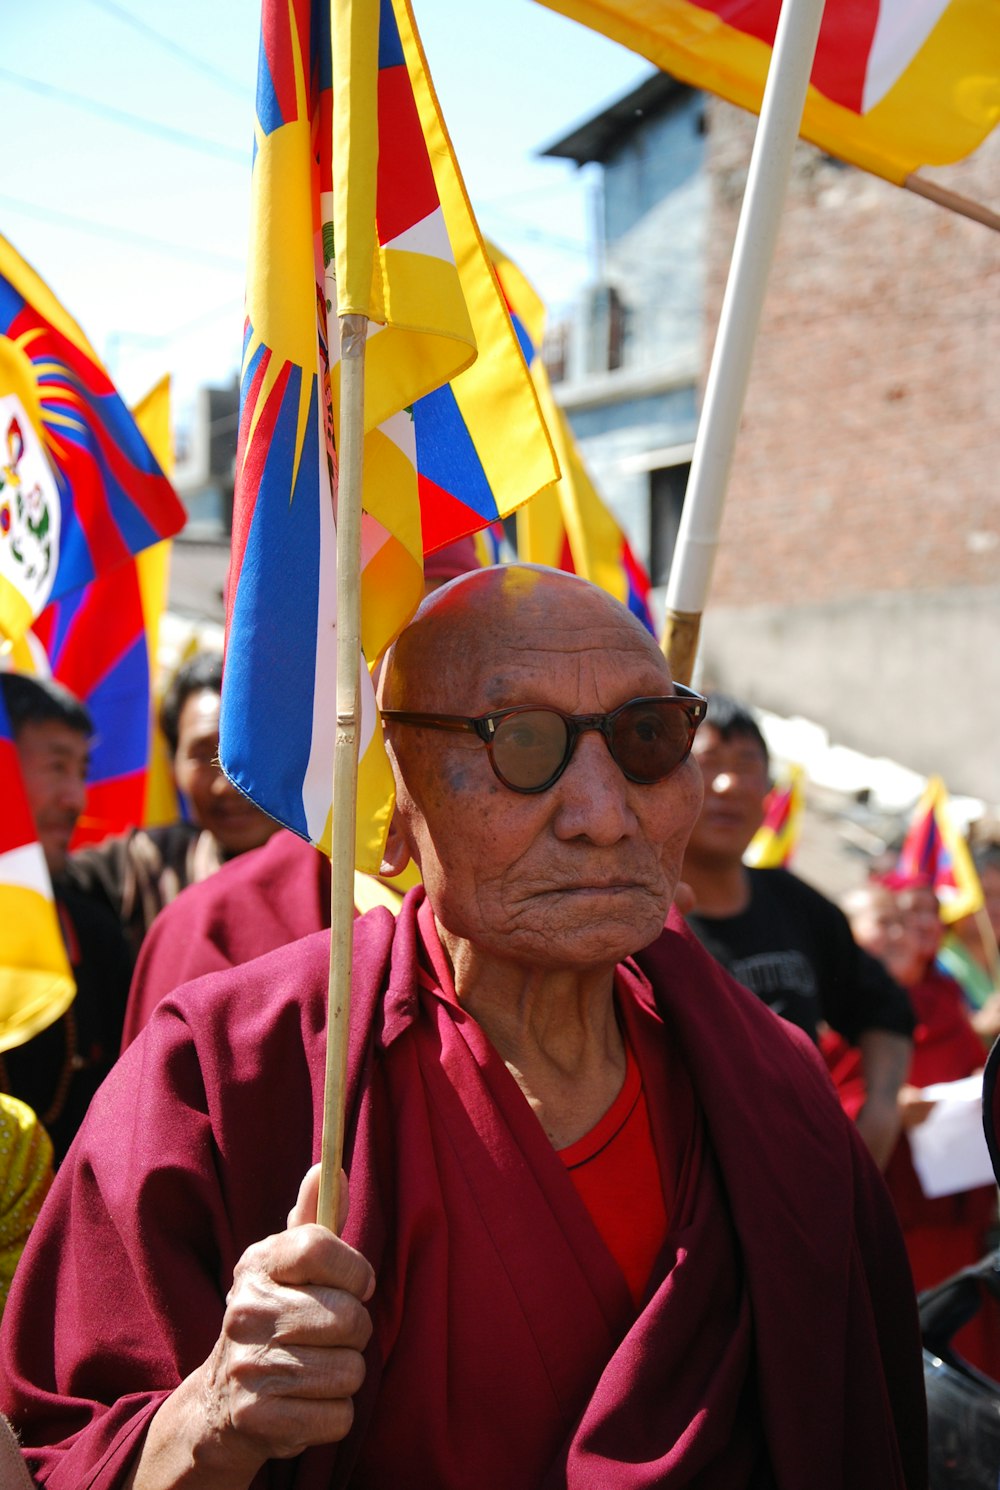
<point x="912" y="676"/>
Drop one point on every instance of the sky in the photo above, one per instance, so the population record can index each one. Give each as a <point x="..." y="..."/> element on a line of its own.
<point x="125" y="179"/>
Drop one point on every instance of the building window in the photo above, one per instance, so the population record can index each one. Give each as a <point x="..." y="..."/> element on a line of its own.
<point x="607" y="329"/>
<point x="667" y="486"/>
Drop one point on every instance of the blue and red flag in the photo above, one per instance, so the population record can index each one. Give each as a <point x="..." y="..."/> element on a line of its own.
<point x="100" y="641"/>
<point x="934" y="849"/>
<point x="567" y="526"/>
<point x="775" y="841"/>
<point x="453" y="436"/>
<point x="80" y="491"/>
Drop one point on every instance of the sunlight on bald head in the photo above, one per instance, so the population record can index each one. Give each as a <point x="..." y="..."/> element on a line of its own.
<point x="456" y="652"/>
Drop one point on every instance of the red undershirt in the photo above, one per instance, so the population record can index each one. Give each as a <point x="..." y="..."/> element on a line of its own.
<point x="614" y="1168"/>
<point x="616" y="1175"/>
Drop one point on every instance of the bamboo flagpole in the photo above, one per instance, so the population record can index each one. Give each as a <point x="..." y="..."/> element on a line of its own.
<point x="987" y="937"/>
<point x="729" y="372"/>
<point x="353" y="335"/>
<point x="963" y="206"/>
<point x="354" y="43"/>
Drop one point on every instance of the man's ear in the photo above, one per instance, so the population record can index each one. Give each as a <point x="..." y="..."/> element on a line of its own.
<point x="396" y="854"/>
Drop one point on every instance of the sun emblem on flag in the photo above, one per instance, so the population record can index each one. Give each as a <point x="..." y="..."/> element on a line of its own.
<point x="29" y="507"/>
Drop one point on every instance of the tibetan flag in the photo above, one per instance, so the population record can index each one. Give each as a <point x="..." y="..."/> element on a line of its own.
<point x="101" y="642"/>
<point x="896" y="84"/>
<point x="36" y="984"/>
<point x="934" y="848"/>
<point x="567" y="526"/>
<point x="775" y="841"/>
<point x="453" y="436"/>
<point x="80" y="491"/>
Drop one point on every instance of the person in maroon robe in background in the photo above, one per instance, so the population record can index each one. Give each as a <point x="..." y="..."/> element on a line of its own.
<point x="482" y="1319"/>
<point x="896" y="919"/>
<point x="262" y="900"/>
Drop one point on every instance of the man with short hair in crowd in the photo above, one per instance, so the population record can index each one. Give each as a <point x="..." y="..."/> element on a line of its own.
<point x="607" y="1225"/>
<point x="57" y="1071"/>
<point x="141" y="871"/>
<point x="777" y="935"/>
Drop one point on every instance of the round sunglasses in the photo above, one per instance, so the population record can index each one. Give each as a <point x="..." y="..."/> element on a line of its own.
<point x="530" y="747"/>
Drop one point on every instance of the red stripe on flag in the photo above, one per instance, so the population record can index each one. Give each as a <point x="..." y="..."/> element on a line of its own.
<point x="250" y="474"/>
<point x="91" y="650"/>
<point x="406" y="190"/>
<point x="109" y="803"/>
<point x="444" y="519"/>
<point x="566" y="556"/>
<point x="17" y="826"/>
<point x="276" y="41"/>
<point x="845" y="41"/>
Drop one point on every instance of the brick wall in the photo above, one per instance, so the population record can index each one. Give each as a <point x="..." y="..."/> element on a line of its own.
<point x="869" y="455"/>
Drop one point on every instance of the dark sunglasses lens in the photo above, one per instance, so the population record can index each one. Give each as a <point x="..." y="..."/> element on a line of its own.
<point x="649" y="740"/>
<point x="528" y="748"/>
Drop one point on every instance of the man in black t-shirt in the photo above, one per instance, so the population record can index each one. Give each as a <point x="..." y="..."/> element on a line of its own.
<point x="781" y="938"/>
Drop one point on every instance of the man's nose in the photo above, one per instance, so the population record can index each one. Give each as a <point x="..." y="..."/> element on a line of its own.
<point x="593" y="794"/>
<point x="73" y="794"/>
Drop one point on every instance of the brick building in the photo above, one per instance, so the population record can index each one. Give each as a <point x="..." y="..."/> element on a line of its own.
<point x="858" y="577"/>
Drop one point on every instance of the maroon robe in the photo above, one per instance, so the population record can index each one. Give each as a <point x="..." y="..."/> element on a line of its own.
<point x="777" y="1344"/>
<point x="261" y="900"/>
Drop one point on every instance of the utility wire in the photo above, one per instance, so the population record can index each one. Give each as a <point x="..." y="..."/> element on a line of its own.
<point x="169" y="45"/>
<point x="122" y="235"/>
<point x="130" y="121"/>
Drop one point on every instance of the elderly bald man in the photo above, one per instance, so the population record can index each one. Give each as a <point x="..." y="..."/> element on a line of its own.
<point x="607" y="1225"/>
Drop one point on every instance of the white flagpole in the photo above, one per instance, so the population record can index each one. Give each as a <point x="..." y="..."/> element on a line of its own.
<point x="729" y="373"/>
<point x="353" y="331"/>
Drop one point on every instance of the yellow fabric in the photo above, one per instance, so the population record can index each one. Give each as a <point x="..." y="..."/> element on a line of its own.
<point x="25" y="1177"/>
<point x="967" y="895"/>
<point x="940" y="109"/>
<point x="36" y="983"/>
<point x="773" y="845"/>
<point x="152" y="415"/>
<point x="570" y="510"/>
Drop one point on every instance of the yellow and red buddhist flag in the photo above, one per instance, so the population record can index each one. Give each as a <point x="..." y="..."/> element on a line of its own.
<point x="101" y="642"/>
<point x="453" y="435"/>
<point x="567" y="526"/>
<point x="36" y="984"/>
<point x="775" y="841"/>
<point x="896" y="84"/>
<point x="934" y="849"/>
<point x="80" y="490"/>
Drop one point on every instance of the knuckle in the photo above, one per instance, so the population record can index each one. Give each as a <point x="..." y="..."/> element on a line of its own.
<point x="348" y="1320"/>
<point x="348" y="1373"/>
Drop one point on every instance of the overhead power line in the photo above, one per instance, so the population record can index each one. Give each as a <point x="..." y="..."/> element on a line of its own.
<point x="130" y="121"/>
<point x="123" y="235"/>
<point x="169" y="45"/>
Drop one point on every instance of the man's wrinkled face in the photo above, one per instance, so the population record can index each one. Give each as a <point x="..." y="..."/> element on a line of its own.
<point x="215" y="803"/>
<point x="735" y="779"/>
<point x="579" y="875"/>
<point x="54" y="761"/>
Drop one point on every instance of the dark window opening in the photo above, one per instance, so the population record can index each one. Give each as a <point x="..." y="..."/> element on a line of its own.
<point x="666" y="503"/>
